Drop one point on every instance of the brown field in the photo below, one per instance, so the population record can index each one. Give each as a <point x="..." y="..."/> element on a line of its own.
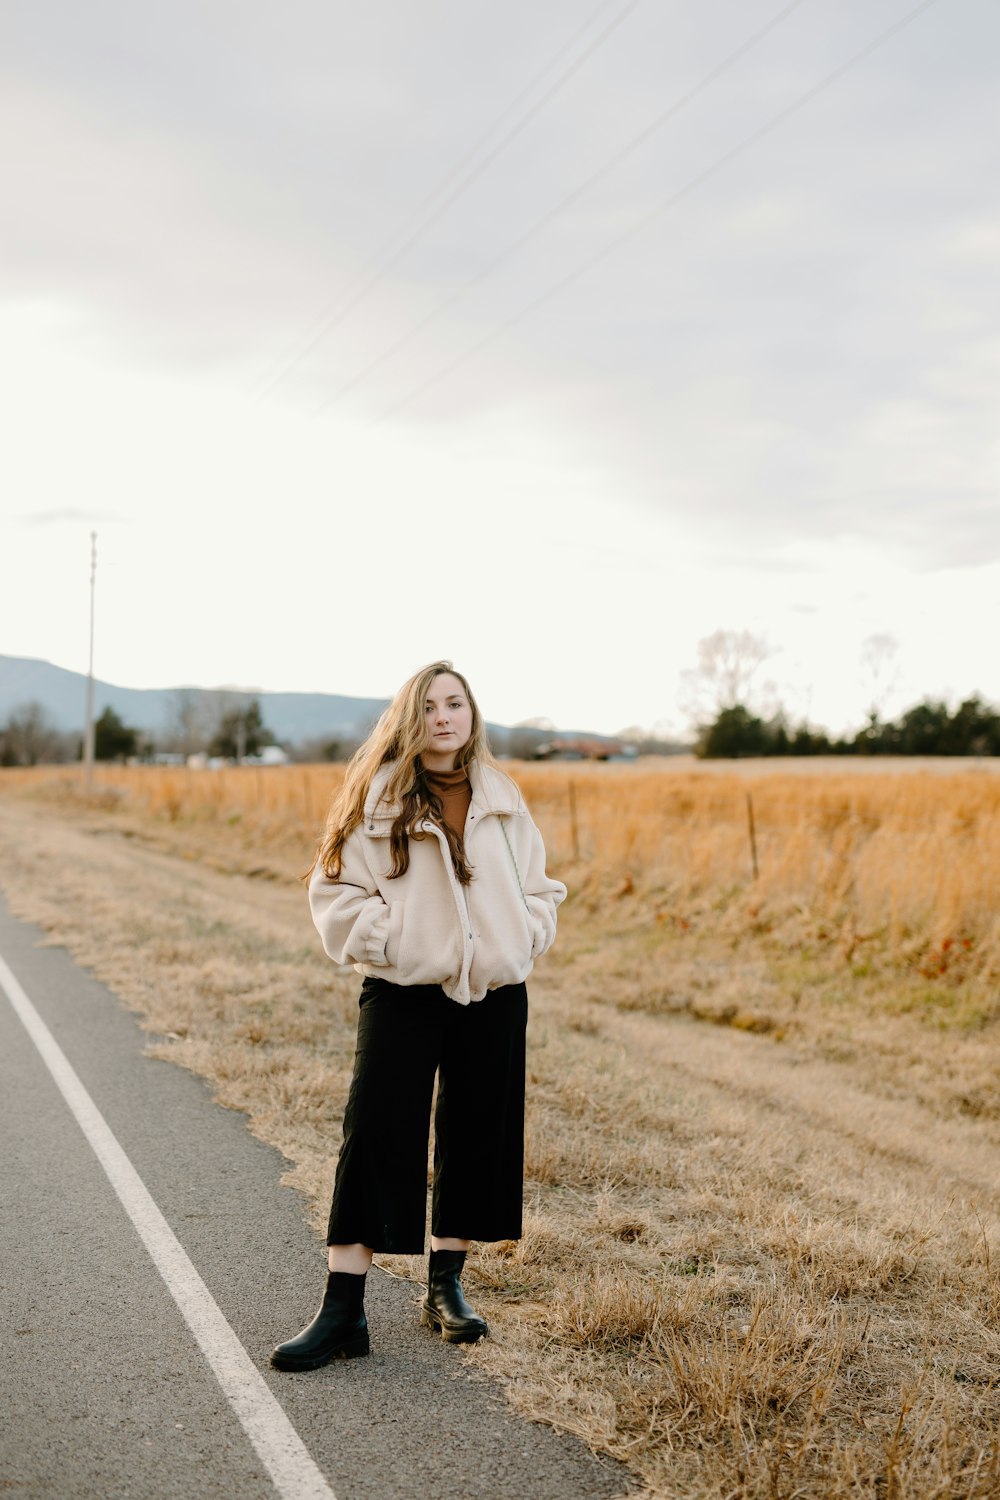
<point x="761" y="1248"/>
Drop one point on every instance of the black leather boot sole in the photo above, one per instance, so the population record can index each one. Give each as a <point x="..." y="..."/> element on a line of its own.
<point x="463" y="1333"/>
<point x="345" y="1349"/>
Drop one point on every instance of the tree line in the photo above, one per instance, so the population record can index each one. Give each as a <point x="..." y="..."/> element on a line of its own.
<point x="929" y="728"/>
<point x="225" y="725"/>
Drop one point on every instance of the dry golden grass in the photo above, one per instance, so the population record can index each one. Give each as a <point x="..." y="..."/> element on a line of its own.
<point x="907" y="859"/>
<point x="760" y="1256"/>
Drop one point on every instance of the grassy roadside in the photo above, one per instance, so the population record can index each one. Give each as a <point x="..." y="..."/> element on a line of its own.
<point x="760" y="1253"/>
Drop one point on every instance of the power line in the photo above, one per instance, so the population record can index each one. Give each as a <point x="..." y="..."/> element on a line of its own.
<point x="515" y="103"/>
<point x="425" y="217"/>
<point x="664" y="207"/>
<point x="529" y="234"/>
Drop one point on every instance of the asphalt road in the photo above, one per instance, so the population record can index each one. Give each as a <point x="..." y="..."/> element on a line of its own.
<point x="106" y="1390"/>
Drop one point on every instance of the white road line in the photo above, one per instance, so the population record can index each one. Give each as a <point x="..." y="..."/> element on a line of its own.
<point x="278" y="1445"/>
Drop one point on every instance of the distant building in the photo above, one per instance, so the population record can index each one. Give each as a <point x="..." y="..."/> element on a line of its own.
<point x="270" y="755"/>
<point x="584" y="747"/>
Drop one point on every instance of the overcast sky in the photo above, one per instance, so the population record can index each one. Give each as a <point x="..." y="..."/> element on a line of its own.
<point x="367" y="334"/>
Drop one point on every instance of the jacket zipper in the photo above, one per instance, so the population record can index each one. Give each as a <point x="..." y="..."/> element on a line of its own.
<point x="461" y="907"/>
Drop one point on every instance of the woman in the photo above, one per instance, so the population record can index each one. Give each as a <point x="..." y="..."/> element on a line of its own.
<point x="431" y="881"/>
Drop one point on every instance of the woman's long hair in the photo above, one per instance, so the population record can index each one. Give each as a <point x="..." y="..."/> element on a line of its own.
<point x="399" y="737"/>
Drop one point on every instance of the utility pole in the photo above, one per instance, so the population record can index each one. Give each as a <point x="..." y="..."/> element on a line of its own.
<point x="88" y="735"/>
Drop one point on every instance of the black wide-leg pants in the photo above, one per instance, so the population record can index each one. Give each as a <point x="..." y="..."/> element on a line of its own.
<point x="406" y="1035"/>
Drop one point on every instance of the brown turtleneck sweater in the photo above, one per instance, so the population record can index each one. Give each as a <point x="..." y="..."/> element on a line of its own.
<point x="455" y="790"/>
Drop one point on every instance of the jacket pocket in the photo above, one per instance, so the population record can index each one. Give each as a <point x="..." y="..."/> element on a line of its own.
<point x="538" y="936"/>
<point x="394" y="941"/>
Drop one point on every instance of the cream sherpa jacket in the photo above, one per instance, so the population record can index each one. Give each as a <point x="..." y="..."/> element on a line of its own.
<point x="425" y="927"/>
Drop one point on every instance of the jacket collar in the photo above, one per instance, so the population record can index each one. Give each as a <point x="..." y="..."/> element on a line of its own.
<point x="492" y="792"/>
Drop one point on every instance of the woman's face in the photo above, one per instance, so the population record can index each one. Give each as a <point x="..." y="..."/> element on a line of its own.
<point x="448" y="721"/>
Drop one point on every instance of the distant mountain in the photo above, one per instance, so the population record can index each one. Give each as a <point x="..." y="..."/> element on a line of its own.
<point x="291" y="717"/>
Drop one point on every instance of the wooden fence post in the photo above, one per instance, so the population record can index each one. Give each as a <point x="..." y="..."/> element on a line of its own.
<point x="573" y="825"/>
<point x="753" y="836"/>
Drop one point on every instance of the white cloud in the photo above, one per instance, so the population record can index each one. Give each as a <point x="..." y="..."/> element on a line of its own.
<point x="774" y="409"/>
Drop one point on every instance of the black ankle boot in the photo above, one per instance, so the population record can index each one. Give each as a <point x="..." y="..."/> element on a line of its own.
<point x="445" y="1306"/>
<point x="338" y="1329"/>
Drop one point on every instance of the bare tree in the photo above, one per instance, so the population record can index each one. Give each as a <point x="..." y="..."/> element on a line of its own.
<point x="660" y="740"/>
<point x="188" y="726"/>
<point x="196" y="716"/>
<point x="880" y="672"/>
<point x="727" y="663"/>
<point x="29" y="738"/>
